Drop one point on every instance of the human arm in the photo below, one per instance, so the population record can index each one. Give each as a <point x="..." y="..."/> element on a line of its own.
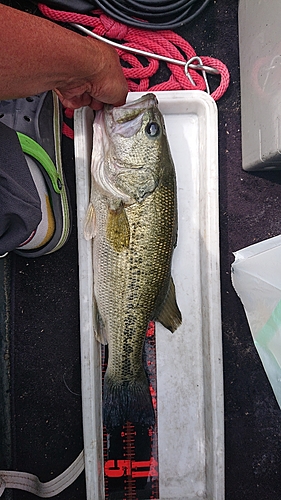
<point x="39" y="55"/>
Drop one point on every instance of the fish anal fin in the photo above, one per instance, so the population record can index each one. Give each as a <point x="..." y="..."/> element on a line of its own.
<point x="100" y="334"/>
<point x="90" y="223"/>
<point x="170" y="316"/>
<point x="118" y="229"/>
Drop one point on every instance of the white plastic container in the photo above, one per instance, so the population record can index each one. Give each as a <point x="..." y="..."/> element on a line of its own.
<point x="189" y="362"/>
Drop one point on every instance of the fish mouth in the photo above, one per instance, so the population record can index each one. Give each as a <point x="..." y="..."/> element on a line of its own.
<point x="131" y="109"/>
<point x="126" y="120"/>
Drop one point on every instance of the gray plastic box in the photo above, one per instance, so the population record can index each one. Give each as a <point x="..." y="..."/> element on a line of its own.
<point x="260" y="71"/>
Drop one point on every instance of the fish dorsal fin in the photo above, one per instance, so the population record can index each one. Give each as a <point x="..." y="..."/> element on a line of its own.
<point x="90" y="222"/>
<point x="118" y="229"/>
<point x="170" y="315"/>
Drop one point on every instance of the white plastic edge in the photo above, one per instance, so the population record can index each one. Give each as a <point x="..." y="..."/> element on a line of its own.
<point x="90" y="349"/>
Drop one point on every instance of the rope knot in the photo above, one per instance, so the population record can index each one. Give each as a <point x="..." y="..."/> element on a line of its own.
<point x="114" y="29"/>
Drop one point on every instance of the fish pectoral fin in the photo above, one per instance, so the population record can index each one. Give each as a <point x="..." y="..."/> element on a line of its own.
<point x="170" y="315"/>
<point x="118" y="229"/>
<point x="90" y="222"/>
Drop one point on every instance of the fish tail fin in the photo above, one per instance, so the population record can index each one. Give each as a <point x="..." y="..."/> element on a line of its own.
<point x="127" y="401"/>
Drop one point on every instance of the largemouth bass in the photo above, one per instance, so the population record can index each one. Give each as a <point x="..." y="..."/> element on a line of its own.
<point x="132" y="218"/>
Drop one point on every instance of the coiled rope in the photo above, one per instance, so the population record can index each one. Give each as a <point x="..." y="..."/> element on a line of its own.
<point x="163" y="42"/>
<point x="153" y="14"/>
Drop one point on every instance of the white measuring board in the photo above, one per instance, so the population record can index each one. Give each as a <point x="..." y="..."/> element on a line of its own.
<point x="189" y="361"/>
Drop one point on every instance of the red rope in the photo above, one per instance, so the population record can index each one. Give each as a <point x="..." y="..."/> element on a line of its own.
<point x="162" y="42"/>
<point x="66" y="129"/>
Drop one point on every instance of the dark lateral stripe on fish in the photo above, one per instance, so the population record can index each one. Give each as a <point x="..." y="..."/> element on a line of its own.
<point x="127" y="402"/>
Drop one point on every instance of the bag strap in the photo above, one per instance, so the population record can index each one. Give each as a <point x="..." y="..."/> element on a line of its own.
<point x="31" y="483"/>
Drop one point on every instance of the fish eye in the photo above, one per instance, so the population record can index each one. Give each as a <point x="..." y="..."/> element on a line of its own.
<point x="152" y="129"/>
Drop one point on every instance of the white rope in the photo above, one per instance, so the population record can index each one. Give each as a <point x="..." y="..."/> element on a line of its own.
<point x="31" y="483"/>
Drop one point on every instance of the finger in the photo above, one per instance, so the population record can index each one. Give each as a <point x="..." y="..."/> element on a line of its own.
<point x="75" y="102"/>
<point x="112" y="94"/>
<point x="95" y="104"/>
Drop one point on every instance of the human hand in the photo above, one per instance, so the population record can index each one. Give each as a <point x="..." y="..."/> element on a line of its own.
<point x="103" y="83"/>
<point x="83" y="71"/>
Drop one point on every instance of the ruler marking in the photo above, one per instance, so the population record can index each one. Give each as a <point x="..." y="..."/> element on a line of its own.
<point x="131" y="452"/>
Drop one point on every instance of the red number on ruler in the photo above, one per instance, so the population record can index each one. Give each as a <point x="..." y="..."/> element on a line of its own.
<point x="119" y="468"/>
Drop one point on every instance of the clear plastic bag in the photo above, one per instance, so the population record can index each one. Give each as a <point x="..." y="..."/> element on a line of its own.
<point x="256" y="277"/>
